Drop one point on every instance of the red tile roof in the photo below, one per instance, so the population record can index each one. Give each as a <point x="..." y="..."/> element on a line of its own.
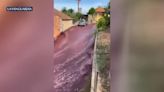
<point x="100" y="10"/>
<point x="62" y="15"/>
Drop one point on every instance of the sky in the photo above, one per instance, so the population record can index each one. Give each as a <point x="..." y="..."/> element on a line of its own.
<point x="84" y="4"/>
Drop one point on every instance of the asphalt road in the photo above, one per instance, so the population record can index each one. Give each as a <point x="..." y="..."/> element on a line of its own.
<point x="72" y="58"/>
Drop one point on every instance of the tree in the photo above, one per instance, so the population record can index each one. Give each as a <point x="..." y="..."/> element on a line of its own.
<point x="78" y="15"/>
<point x="91" y="11"/>
<point x="70" y="10"/>
<point x="64" y="10"/>
<point x="109" y="5"/>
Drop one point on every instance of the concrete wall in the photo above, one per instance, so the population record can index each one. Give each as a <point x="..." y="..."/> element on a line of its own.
<point x="100" y="66"/>
<point x="66" y="24"/>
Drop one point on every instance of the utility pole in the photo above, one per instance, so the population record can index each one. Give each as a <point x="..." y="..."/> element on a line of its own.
<point x="78" y="5"/>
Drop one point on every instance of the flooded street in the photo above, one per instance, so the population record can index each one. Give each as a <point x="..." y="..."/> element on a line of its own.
<point x="73" y="58"/>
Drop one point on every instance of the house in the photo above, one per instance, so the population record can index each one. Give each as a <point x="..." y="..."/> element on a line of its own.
<point x="57" y="26"/>
<point x="99" y="13"/>
<point x="91" y="19"/>
<point x="61" y="22"/>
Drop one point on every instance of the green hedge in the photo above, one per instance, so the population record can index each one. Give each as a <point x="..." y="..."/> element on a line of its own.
<point x="103" y="23"/>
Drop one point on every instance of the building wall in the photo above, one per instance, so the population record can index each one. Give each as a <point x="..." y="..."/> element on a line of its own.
<point x="57" y="26"/>
<point x="91" y="19"/>
<point x="98" y="16"/>
<point x="66" y="24"/>
<point x="61" y="26"/>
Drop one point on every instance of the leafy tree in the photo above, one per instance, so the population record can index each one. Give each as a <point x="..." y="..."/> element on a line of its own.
<point x="78" y="16"/>
<point x="91" y="11"/>
<point x="64" y="10"/>
<point x="70" y="10"/>
<point x="109" y="5"/>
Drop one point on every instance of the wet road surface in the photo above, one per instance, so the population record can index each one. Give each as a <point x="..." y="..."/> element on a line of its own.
<point x="72" y="58"/>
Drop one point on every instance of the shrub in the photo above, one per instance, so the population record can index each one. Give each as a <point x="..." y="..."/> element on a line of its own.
<point x="102" y="24"/>
<point x="107" y="18"/>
